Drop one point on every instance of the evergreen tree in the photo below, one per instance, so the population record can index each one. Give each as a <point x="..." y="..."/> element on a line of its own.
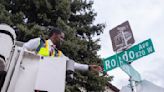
<point x="31" y="18"/>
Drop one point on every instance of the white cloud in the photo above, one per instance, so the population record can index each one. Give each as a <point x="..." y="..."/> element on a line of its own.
<point x="146" y="18"/>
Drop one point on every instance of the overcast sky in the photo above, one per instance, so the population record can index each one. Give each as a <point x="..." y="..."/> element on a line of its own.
<point x="146" y="18"/>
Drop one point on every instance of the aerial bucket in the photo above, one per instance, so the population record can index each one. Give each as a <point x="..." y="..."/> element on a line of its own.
<point x="7" y="41"/>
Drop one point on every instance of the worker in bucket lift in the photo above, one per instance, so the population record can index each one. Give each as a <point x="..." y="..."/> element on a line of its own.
<point x="50" y="48"/>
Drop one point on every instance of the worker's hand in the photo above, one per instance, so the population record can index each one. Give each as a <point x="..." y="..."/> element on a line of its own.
<point x="95" y="68"/>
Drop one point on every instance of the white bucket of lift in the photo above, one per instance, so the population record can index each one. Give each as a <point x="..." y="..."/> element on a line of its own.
<point x="7" y="41"/>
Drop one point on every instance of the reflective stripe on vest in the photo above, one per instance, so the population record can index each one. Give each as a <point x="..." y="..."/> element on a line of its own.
<point x="43" y="50"/>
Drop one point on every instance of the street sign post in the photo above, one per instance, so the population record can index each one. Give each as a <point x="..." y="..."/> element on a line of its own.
<point x="122" y="39"/>
<point x="140" y="50"/>
<point x="121" y="36"/>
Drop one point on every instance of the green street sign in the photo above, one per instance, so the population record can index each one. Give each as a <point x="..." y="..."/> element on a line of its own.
<point x="140" y="50"/>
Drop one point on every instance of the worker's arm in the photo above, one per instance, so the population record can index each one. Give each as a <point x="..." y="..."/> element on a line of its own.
<point x="77" y="66"/>
<point x="32" y="44"/>
<point x="85" y="67"/>
<point x="81" y="67"/>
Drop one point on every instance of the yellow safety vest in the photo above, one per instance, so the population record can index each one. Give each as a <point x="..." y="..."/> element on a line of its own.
<point x="43" y="50"/>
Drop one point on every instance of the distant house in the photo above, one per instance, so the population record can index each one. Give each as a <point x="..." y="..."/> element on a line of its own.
<point x="110" y="88"/>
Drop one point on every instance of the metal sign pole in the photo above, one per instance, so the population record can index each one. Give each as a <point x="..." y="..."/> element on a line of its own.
<point x="122" y="38"/>
<point x="132" y="82"/>
<point x="132" y="85"/>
